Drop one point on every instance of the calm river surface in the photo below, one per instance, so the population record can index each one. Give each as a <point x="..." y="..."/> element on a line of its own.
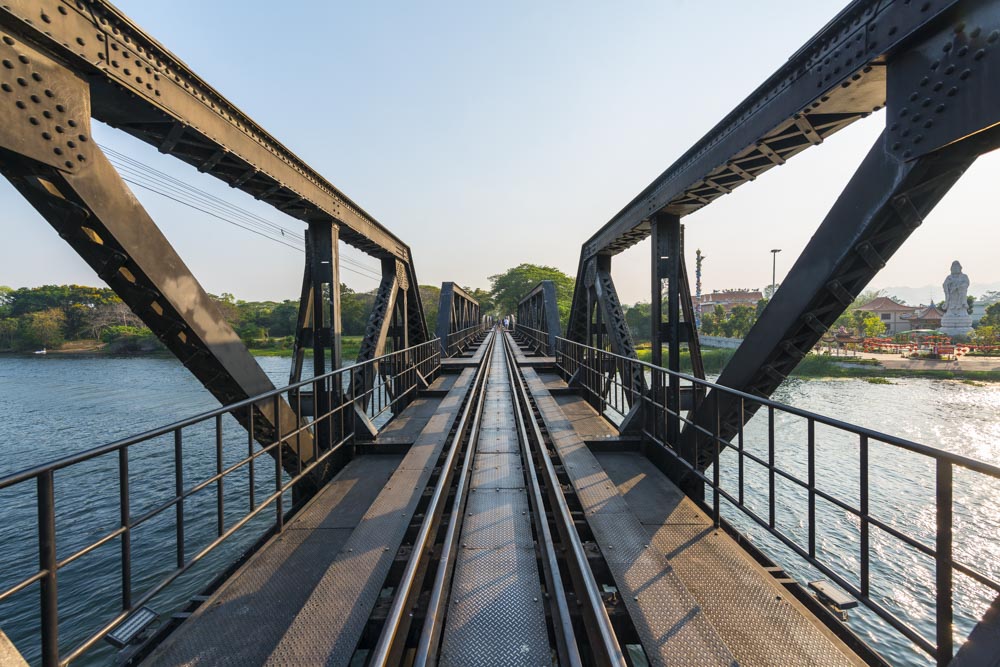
<point x="52" y="406"/>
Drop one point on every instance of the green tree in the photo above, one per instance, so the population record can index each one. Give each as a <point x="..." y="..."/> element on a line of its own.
<point x="872" y="326"/>
<point x="5" y="299"/>
<point x="283" y="319"/>
<point x="991" y="318"/>
<point x="486" y="304"/>
<point x="741" y="319"/>
<point x="42" y="329"/>
<point x="509" y="287"/>
<point x="981" y="335"/>
<point x="637" y="318"/>
<point x="8" y="333"/>
<point x="430" y="296"/>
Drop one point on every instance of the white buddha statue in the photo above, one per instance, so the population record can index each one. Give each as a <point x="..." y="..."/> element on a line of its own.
<point x="956" y="321"/>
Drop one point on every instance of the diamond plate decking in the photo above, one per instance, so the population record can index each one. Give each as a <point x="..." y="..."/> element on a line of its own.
<point x="695" y="596"/>
<point x="306" y="596"/>
<point x="496" y="615"/>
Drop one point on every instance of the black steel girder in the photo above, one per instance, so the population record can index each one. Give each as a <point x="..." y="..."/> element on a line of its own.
<point x="457" y="311"/>
<point x="143" y="89"/>
<point x="837" y="77"/>
<point x="885" y="201"/>
<point x="539" y="310"/>
<point x="48" y="153"/>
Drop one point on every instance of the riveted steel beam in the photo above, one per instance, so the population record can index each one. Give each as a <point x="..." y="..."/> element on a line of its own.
<point x="457" y="311"/>
<point x="539" y="310"/>
<point x="140" y="87"/>
<point x="839" y="73"/>
<point x="881" y="206"/>
<point x="48" y="153"/>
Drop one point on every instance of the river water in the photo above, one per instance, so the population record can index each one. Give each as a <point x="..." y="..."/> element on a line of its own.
<point x="52" y="406"/>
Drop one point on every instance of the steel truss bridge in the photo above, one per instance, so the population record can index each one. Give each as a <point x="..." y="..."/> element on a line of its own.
<point x="484" y="496"/>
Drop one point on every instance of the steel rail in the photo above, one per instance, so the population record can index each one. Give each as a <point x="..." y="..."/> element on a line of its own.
<point x="430" y="633"/>
<point x="565" y="635"/>
<point x="385" y="651"/>
<point x="605" y="643"/>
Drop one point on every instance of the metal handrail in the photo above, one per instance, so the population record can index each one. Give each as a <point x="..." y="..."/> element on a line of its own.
<point x="597" y="372"/>
<point x="379" y="385"/>
<point x="458" y="341"/>
<point x="537" y="339"/>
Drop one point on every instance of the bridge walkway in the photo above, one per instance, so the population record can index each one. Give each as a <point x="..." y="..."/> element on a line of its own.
<point x="306" y="596"/>
<point x="311" y="594"/>
<point x="687" y="586"/>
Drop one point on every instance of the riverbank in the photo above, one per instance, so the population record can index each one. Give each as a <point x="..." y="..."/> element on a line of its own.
<point x="350" y="346"/>
<point x="823" y="366"/>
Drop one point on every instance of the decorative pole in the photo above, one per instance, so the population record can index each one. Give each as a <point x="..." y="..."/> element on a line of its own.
<point x="698" y="258"/>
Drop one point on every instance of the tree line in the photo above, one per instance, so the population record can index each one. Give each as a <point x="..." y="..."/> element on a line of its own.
<point x="33" y="318"/>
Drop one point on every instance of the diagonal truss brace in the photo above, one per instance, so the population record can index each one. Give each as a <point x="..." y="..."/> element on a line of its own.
<point x="885" y="201"/>
<point x="47" y="152"/>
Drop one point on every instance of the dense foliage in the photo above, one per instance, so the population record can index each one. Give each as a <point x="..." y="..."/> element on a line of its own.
<point x="34" y="318"/>
<point x="509" y="287"/>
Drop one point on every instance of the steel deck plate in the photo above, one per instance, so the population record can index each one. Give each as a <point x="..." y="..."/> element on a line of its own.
<point x="670" y="624"/>
<point x="497" y="471"/>
<point x="496" y="440"/>
<point x="244" y="621"/>
<point x="497" y="518"/>
<point x="772" y="628"/>
<point x="496" y="612"/>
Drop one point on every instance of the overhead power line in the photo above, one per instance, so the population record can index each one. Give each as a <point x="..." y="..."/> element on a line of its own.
<point x="153" y="180"/>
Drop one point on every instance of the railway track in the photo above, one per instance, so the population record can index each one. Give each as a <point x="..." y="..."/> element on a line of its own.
<point x="498" y="573"/>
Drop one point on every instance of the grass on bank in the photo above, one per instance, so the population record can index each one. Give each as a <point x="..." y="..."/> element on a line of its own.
<point x="821" y="366"/>
<point x="349" y="348"/>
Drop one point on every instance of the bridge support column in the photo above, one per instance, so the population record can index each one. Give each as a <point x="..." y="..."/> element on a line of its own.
<point x="667" y="250"/>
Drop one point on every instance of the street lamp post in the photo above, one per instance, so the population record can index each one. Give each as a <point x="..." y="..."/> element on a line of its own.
<point x="774" y="265"/>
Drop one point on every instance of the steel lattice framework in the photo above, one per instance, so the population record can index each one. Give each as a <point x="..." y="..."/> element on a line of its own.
<point x="63" y="62"/>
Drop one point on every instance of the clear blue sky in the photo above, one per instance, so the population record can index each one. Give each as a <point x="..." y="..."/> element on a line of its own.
<point x="489" y="134"/>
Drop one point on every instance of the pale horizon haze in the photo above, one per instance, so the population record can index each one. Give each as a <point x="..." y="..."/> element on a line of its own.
<point x="485" y="135"/>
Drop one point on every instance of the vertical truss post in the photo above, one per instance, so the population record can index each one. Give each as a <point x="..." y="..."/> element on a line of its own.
<point x="324" y="267"/>
<point x="666" y="250"/>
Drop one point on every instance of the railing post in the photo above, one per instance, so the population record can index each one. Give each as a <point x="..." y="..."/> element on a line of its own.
<point x="124" y="517"/>
<point x="739" y="441"/>
<point x="943" y="565"/>
<point x="47" y="562"/>
<point x="716" y="431"/>
<point x="812" y="488"/>
<point x="279" y="502"/>
<point x="770" y="466"/>
<point x="252" y="480"/>
<point x="863" y="507"/>
<point x="179" y="491"/>
<point x="219" y="488"/>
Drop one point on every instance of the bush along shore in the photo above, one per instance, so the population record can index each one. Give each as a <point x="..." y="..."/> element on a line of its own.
<point x="822" y="366"/>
